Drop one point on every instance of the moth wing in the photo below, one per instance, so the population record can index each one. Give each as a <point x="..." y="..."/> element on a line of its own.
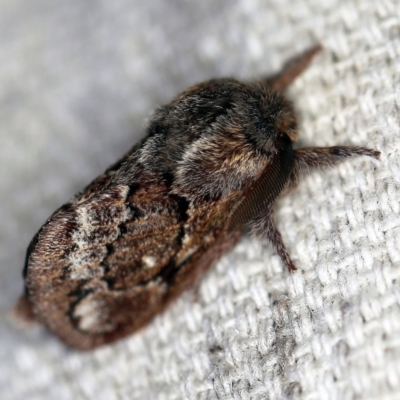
<point x="99" y="268"/>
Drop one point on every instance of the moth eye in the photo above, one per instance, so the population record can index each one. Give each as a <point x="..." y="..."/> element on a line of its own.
<point x="265" y="152"/>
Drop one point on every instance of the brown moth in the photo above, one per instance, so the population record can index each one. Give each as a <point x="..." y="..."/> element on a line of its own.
<point x="213" y="162"/>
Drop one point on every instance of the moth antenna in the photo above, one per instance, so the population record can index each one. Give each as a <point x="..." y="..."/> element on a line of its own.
<point x="267" y="188"/>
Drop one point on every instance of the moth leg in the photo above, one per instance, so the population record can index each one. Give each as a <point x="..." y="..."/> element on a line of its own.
<point x="265" y="226"/>
<point x="307" y="159"/>
<point x="292" y="69"/>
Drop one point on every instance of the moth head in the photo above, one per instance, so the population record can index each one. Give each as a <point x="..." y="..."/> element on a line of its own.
<point x="277" y="110"/>
<point x="217" y="136"/>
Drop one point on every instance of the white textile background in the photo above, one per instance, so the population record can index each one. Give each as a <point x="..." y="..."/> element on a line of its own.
<point x="77" y="81"/>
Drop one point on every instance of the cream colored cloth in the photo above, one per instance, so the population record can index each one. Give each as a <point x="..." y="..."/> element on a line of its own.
<point x="78" y="79"/>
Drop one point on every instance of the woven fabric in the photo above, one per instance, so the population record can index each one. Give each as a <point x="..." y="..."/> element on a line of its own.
<point x="77" y="81"/>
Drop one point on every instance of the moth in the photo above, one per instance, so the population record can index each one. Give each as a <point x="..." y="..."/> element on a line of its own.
<point x="213" y="162"/>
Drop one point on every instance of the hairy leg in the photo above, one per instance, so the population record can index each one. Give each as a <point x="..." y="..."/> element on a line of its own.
<point x="265" y="226"/>
<point x="307" y="159"/>
<point x="292" y="69"/>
